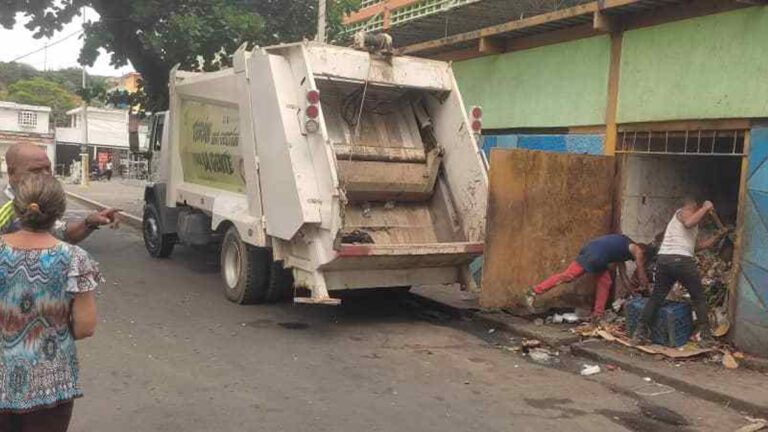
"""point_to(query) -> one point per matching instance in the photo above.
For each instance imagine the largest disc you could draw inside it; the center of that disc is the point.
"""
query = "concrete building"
(25, 124)
(107, 137)
(673, 90)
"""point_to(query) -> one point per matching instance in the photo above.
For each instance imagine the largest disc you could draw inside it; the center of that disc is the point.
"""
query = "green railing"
(424, 8)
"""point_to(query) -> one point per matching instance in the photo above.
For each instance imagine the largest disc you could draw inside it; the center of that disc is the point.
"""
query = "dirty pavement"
(172, 354)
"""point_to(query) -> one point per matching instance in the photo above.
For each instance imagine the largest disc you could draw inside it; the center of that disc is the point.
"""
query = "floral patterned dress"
(38, 363)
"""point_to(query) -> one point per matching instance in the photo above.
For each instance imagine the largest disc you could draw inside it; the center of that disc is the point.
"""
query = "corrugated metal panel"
(751, 321)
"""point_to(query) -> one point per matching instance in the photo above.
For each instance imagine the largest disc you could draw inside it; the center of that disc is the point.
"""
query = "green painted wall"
(710, 67)
(552, 86)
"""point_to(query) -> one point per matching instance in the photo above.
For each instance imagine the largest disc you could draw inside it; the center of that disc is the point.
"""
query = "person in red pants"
(595, 257)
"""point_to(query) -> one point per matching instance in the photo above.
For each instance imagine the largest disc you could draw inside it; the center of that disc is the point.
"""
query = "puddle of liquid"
(293, 325)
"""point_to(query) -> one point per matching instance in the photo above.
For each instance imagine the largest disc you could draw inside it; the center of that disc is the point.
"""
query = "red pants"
(570, 274)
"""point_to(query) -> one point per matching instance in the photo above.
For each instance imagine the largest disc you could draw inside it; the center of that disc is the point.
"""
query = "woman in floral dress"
(47, 302)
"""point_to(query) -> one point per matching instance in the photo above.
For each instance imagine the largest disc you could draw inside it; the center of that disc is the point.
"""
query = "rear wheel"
(158, 245)
(280, 283)
(244, 269)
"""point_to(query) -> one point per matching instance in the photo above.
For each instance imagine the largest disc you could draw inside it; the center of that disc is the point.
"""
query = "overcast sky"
(19, 41)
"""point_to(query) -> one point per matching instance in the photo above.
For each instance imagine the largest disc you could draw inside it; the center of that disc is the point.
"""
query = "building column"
(614, 71)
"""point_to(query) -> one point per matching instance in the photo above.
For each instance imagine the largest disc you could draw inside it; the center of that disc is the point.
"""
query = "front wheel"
(244, 269)
(158, 245)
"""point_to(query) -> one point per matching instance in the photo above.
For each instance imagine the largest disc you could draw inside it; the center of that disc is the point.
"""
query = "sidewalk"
(127, 195)
(742, 389)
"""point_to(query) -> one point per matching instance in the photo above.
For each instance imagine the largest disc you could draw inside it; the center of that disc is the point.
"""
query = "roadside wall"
(703, 68)
(550, 86)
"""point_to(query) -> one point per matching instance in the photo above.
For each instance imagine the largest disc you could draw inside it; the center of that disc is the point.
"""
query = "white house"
(108, 135)
(25, 124)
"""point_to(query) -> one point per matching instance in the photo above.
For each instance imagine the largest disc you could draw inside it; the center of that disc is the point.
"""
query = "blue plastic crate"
(673, 326)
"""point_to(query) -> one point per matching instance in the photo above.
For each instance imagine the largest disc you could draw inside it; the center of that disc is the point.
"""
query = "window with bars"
(684, 142)
(27, 119)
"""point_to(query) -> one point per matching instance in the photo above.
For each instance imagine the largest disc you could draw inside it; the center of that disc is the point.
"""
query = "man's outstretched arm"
(80, 230)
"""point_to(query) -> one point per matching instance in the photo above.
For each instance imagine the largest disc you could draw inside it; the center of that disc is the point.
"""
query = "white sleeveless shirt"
(679, 240)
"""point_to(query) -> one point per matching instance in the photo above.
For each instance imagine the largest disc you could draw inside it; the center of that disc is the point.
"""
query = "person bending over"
(596, 257)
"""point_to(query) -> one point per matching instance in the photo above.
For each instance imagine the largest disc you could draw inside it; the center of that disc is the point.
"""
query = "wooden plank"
(680, 12)
(542, 208)
(738, 248)
(523, 43)
(490, 45)
(457, 55)
(537, 20)
(552, 37)
(603, 22)
(587, 130)
(533, 21)
(614, 72)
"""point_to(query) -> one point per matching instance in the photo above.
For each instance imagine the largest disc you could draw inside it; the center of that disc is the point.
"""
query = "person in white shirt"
(108, 170)
(676, 262)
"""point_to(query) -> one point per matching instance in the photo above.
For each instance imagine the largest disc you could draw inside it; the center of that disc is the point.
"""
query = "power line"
(47, 46)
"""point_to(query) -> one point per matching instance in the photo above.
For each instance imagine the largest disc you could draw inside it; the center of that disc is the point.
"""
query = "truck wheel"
(158, 245)
(244, 269)
(280, 283)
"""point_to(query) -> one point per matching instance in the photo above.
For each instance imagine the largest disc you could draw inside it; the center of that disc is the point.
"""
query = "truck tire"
(158, 244)
(280, 283)
(244, 269)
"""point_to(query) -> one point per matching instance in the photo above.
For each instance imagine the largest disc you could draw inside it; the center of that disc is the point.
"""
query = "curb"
(127, 218)
(582, 350)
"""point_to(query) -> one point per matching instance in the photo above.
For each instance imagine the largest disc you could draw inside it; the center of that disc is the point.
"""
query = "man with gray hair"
(23, 159)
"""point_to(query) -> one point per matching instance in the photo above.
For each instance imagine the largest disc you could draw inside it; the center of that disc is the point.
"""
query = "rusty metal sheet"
(542, 207)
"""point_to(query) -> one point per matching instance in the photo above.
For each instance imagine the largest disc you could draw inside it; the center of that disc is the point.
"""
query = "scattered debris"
(729, 361)
(570, 318)
(390, 205)
(611, 367)
(366, 210)
(538, 322)
(653, 389)
(540, 355)
(587, 370)
(491, 331)
(647, 379)
(528, 344)
(616, 333)
(754, 425)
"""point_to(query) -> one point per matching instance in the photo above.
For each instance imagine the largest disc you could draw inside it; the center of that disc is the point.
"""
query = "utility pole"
(321, 21)
(84, 144)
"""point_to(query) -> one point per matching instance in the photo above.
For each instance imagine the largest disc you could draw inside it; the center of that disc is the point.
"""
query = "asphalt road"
(171, 354)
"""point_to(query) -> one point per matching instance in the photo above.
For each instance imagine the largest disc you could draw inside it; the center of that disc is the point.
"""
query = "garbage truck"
(314, 168)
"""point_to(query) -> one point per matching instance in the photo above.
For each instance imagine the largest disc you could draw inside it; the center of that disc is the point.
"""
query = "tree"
(11, 72)
(154, 35)
(39, 91)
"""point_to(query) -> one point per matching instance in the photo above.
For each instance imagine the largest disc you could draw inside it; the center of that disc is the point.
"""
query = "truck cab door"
(155, 142)
(542, 207)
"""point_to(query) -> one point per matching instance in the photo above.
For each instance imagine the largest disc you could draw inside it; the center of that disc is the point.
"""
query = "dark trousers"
(54, 419)
(671, 269)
